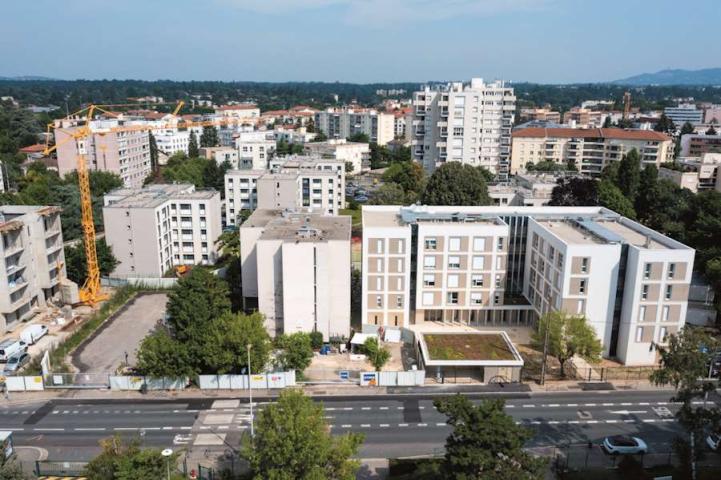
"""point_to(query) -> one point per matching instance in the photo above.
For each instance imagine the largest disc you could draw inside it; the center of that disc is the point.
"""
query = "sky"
(359, 41)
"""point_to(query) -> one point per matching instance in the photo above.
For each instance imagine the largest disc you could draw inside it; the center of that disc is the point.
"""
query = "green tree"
(607, 122)
(629, 174)
(296, 351)
(349, 167)
(664, 124)
(610, 196)
(711, 131)
(391, 194)
(229, 244)
(610, 172)
(359, 138)
(568, 335)
(209, 137)
(196, 300)
(485, 443)
(356, 292)
(293, 442)
(282, 148)
(377, 354)
(454, 183)
(76, 265)
(154, 155)
(410, 176)
(320, 136)
(125, 460)
(646, 190)
(10, 469)
(575, 192)
(222, 346)
(160, 355)
(193, 151)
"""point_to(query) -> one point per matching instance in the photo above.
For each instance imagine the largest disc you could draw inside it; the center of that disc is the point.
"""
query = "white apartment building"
(317, 184)
(158, 227)
(685, 112)
(170, 139)
(698, 174)
(590, 150)
(255, 149)
(295, 268)
(528, 190)
(221, 155)
(33, 261)
(241, 111)
(463, 123)
(346, 122)
(358, 154)
(506, 266)
(125, 153)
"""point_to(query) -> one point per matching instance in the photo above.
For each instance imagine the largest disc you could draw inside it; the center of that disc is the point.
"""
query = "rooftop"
(291, 225)
(469, 349)
(632, 236)
(153, 196)
(570, 232)
(615, 133)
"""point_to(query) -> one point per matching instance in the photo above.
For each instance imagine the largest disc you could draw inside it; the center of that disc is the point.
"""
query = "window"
(399, 283)
(497, 298)
(452, 298)
(379, 301)
(582, 286)
(664, 317)
(584, 265)
(477, 280)
(479, 244)
(429, 262)
(662, 334)
(379, 283)
(639, 334)
(454, 244)
(476, 298)
(647, 271)
(535, 240)
(642, 313)
(379, 246)
(551, 253)
(669, 291)
(399, 265)
(431, 244)
(499, 245)
(559, 260)
(671, 270)
(401, 245)
(399, 301)
(498, 281)
(644, 292)
(581, 305)
(427, 298)
(379, 265)
(499, 263)
(478, 263)
(454, 262)
(429, 280)
(452, 281)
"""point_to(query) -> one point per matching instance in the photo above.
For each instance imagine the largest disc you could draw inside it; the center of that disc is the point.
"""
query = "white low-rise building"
(295, 268)
(337, 123)
(221, 155)
(255, 149)
(697, 174)
(355, 153)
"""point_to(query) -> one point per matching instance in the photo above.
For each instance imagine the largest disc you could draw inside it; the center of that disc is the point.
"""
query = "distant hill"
(706, 76)
(26, 77)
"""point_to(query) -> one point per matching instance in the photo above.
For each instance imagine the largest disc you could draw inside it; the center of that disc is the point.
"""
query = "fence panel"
(387, 379)
(208, 382)
(240, 382)
(276, 380)
(259, 381)
(406, 379)
(369, 379)
(224, 381)
(290, 378)
(76, 380)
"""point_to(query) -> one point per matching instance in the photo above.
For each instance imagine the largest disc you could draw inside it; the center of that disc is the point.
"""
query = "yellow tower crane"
(77, 128)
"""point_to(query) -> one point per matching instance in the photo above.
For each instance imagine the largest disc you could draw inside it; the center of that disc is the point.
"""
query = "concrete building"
(221, 155)
(712, 114)
(170, 139)
(696, 145)
(358, 154)
(583, 118)
(346, 122)
(463, 123)
(126, 153)
(698, 174)
(684, 112)
(33, 261)
(293, 182)
(254, 149)
(527, 190)
(503, 267)
(295, 268)
(588, 149)
(158, 227)
(247, 111)
(540, 114)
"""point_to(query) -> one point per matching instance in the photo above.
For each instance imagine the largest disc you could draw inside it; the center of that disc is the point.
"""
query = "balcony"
(186, 224)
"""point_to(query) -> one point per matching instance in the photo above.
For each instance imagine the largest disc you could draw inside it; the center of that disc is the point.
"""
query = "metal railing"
(59, 468)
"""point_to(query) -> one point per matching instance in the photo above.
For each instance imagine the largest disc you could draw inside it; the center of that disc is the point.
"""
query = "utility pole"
(250, 396)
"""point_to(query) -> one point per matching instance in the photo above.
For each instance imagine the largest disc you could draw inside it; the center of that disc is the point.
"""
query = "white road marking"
(608, 404)
(348, 408)
(592, 421)
(441, 424)
(48, 429)
(89, 429)
(422, 424)
(573, 421)
(365, 408)
(345, 426)
(535, 422)
(129, 429)
(644, 403)
(186, 428)
(384, 425)
(330, 409)
(629, 420)
(382, 408)
(572, 405)
(365, 425)
(649, 420)
(590, 404)
(553, 422)
(510, 406)
(611, 421)
(402, 424)
(528, 406)
(553, 405)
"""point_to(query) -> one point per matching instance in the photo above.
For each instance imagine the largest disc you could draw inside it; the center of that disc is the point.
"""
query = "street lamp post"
(250, 396)
(167, 453)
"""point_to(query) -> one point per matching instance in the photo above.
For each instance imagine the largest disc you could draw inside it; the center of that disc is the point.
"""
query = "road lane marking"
(186, 428)
(592, 421)
(384, 425)
(402, 424)
(89, 429)
(589, 404)
(572, 405)
(649, 420)
(345, 426)
(365, 425)
(554, 405)
(422, 424)
(629, 420)
(365, 408)
(129, 429)
(573, 421)
(535, 422)
(48, 429)
(528, 406)
(607, 404)
(382, 408)
(348, 408)
(553, 422)
(611, 421)
(510, 406)
(627, 412)
(644, 403)
(441, 424)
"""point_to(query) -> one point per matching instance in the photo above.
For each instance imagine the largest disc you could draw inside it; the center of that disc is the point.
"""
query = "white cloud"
(379, 13)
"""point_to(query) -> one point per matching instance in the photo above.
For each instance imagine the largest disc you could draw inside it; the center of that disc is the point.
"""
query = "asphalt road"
(394, 425)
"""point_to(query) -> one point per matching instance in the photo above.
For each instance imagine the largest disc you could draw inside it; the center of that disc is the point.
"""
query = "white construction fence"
(240, 382)
(127, 382)
(411, 378)
(24, 384)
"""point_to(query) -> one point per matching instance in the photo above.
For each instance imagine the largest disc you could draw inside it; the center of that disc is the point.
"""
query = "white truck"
(33, 333)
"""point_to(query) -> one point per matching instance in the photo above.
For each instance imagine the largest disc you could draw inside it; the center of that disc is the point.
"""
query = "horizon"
(550, 42)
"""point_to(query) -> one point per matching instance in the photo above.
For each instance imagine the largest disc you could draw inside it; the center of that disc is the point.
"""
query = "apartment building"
(528, 190)
(125, 153)
(247, 111)
(685, 112)
(33, 261)
(698, 174)
(712, 114)
(590, 150)
(696, 145)
(295, 269)
(463, 123)
(171, 140)
(356, 153)
(158, 227)
(346, 122)
(505, 266)
(255, 149)
(221, 155)
(293, 182)
(583, 118)
(540, 114)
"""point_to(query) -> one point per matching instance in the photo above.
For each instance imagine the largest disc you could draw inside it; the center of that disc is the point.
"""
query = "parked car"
(624, 444)
(33, 333)
(16, 362)
(714, 441)
(360, 198)
(10, 347)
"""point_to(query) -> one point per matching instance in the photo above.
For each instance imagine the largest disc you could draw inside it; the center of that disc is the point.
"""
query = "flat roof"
(469, 349)
(377, 218)
(155, 195)
(570, 232)
(632, 236)
(296, 226)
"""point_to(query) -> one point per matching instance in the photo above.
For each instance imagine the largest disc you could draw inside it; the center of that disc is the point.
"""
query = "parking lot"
(105, 350)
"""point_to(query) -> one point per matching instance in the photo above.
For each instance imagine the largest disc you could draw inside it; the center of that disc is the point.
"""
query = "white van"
(10, 347)
(33, 333)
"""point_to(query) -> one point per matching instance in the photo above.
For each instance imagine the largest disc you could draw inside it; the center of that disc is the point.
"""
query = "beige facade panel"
(375, 246)
(397, 246)
(679, 292)
(577, 266)
(376, 283)
(376, 264)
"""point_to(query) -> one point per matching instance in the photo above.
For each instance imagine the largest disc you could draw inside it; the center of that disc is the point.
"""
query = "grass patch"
(355, 214)
(415, 469)
(467, 347)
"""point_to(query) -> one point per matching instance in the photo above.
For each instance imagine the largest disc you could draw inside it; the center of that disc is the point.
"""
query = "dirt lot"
(105, 350)
(326, 367)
